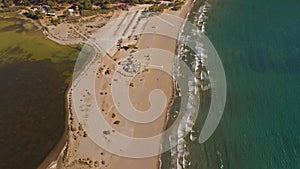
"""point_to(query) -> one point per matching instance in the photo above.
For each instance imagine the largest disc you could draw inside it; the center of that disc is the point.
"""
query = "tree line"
(81, 3)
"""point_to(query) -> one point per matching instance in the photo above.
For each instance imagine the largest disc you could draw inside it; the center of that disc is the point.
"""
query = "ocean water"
(259, 45)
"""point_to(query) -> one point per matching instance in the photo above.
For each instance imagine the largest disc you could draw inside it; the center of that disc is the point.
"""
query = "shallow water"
(258, 42)
(21, 40)
(32, 77)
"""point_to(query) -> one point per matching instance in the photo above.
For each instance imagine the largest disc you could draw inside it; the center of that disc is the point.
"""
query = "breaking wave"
(180, 154)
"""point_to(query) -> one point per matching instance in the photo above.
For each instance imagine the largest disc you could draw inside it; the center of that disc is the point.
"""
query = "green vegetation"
(177, 5)
(40, 8)
(156, 8)
(7, 3)
(176, 8)
(55, 21)
(33, 72)
(20, 40)
(66, 13)
(82, 4)
(10, 9)
(34, 15)
(87, 5)
(94, 12)
(85, 48)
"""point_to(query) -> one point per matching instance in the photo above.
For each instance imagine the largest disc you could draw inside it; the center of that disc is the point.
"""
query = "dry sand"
(81, 151)
(70, 33)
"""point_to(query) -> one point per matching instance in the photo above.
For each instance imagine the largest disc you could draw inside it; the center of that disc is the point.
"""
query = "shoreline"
(183, 13)
(188, 6)
(56, 151)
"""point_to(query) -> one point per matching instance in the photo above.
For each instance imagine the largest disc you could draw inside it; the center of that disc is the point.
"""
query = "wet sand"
(81, 150)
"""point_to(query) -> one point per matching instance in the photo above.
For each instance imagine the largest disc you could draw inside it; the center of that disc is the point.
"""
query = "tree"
(7, 3)
(18, 2)
(132, 1)
(38, 14)
(106, 4)
(66, 13)
(33, 15)
(80, 6)
(87, 5)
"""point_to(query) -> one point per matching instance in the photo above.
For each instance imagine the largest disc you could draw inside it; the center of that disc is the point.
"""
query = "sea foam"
(180, 151)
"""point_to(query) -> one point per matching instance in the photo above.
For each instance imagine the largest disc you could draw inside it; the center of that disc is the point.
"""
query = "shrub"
(155, 8)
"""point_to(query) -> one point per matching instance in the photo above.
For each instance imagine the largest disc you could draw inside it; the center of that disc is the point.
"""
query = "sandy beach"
(92, 95)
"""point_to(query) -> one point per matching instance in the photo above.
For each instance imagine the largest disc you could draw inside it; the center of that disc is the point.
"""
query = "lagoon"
(34, 75)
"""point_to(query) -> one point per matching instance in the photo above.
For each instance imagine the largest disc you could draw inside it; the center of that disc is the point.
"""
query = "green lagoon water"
(21, 40)
(259, 45)
(33, 74)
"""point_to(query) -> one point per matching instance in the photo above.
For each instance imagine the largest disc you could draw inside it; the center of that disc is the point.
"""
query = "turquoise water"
(259, 45)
